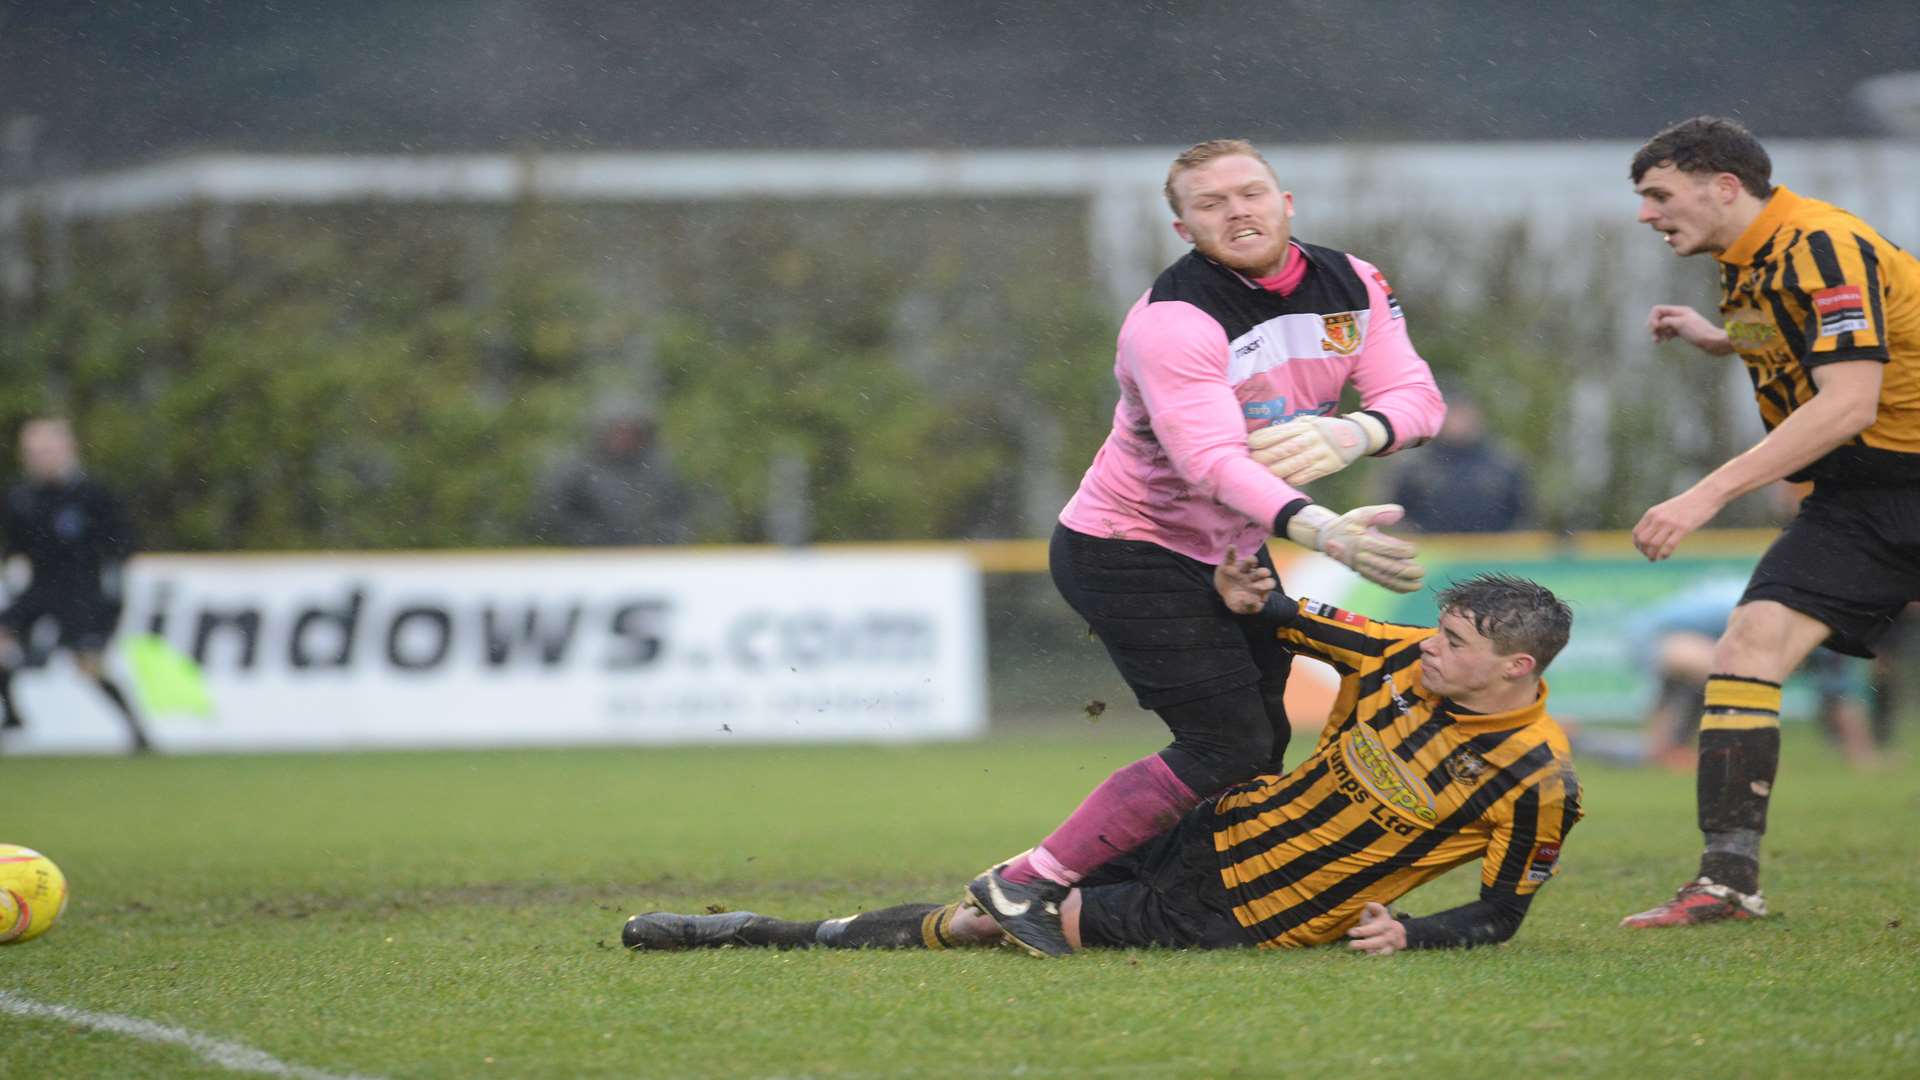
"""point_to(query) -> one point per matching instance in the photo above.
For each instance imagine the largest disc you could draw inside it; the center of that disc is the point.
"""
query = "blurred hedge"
(387, 378)
(308, 387)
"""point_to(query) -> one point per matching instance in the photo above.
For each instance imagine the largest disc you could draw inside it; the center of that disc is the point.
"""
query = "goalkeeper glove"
(1310, 447)
(1354, 538)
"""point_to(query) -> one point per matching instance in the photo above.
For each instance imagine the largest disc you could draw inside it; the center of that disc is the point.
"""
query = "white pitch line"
(228, 1055)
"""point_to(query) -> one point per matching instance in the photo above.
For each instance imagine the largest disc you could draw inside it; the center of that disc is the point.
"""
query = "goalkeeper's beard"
(1263, 262)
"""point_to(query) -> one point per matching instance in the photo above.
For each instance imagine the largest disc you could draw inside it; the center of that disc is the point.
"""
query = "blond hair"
(1202, 152)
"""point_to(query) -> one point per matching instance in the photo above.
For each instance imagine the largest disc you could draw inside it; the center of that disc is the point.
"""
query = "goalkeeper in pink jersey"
(1231, 369)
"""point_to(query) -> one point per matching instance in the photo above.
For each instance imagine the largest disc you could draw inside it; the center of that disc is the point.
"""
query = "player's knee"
(1209, 764)
(1240, 768)
(1220, 741)
(1765, 640)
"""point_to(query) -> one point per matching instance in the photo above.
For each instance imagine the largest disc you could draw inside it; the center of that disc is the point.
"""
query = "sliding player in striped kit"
(1438, 753)
(1230, 370)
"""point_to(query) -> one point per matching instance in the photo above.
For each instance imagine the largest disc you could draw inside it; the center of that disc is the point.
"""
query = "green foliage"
(1067, 339)
(394, 915)
(384, 377)
(319, 386)
(884, 458)
(936, 365)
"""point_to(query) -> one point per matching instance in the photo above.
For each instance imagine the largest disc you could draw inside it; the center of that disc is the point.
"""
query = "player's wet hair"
(1709, 144)
(1517, 615)
(1202, 152)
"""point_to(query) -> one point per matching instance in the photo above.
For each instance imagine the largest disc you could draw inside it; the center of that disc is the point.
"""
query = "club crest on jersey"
(1465, 765)
(1749, 331)
(1841, 310)
(1341, 333)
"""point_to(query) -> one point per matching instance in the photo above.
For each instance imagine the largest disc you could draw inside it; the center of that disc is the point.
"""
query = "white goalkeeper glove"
(1354, 538)
(1310, 447)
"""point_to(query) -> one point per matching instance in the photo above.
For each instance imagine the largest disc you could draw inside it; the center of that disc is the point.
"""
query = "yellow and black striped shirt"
(1808, 284)
(1402, 787)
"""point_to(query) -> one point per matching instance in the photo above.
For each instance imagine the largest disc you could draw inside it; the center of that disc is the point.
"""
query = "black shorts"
(86, 619)
(1850, 558)
(1165, 892)
(1158, 615)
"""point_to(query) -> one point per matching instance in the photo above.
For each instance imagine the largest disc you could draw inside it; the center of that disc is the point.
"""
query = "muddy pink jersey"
(1207, 356)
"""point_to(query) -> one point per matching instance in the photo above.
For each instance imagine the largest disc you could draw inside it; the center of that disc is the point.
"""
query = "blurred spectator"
(1674, 642)
(76, 539)
(621, 489)
(1463, 482)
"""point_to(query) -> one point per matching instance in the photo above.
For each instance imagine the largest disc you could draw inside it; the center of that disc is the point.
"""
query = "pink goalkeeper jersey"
(1207, 356)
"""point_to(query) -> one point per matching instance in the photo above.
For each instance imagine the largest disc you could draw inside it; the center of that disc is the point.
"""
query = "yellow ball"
(33, 893)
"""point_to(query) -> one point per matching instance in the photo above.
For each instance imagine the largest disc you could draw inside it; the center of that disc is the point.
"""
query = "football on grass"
(33, 893)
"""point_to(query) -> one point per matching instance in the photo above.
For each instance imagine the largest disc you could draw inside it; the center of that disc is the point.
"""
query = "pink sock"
(1134, 805)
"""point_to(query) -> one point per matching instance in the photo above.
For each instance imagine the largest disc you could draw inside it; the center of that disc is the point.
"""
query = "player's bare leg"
(1070, 918)
(1685, 661)
(1739, 756)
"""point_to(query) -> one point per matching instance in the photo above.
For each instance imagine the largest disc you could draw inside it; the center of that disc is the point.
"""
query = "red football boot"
(1699, 901)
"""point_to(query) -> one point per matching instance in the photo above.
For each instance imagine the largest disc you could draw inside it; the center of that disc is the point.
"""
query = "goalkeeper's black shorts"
(1850, 558)
(1165, 892)
(1158, 615)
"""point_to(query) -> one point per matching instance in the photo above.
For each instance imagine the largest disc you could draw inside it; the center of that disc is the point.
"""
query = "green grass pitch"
(458, 915)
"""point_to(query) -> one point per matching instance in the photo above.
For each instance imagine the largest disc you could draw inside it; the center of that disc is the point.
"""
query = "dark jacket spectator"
(622, 489)
(1462, 481)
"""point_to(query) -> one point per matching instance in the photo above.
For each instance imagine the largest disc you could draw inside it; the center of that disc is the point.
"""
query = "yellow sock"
(1737, 703)
(934, 928)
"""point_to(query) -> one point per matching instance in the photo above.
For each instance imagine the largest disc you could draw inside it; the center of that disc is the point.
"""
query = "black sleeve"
(1489, 920)
(1279, 610)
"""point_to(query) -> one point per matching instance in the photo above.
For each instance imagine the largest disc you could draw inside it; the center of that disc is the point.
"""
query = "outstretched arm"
(1845, 404)
(1355, 540)
(1487, 921)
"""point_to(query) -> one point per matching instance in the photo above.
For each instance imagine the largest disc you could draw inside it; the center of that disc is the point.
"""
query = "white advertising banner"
(415, 650)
